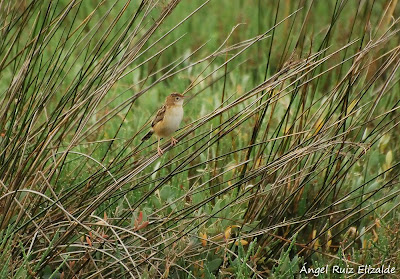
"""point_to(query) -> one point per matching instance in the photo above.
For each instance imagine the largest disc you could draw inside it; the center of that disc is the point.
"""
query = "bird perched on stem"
(167, 120)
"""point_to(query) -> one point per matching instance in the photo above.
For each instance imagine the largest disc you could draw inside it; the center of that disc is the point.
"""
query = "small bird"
(167, 120)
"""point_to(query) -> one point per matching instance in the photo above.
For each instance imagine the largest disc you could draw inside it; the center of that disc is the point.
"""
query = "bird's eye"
(177, 98)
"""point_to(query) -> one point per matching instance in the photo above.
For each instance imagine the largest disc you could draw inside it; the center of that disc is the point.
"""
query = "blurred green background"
(288, 150)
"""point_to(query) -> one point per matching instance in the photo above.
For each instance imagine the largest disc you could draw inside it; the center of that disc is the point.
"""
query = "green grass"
(287, 155)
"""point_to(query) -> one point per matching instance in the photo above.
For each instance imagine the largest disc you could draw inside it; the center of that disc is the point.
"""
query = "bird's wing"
(159, 116)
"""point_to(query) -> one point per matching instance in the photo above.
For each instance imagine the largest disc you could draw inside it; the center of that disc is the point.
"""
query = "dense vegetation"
(288, 153)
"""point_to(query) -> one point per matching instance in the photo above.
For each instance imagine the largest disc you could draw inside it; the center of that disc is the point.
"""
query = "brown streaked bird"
(167, 120)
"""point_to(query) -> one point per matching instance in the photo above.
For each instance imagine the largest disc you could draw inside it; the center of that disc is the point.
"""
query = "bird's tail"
(147, 136)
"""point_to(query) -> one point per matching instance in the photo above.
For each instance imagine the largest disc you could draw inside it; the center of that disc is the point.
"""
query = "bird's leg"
(159, 150)
(173, 141)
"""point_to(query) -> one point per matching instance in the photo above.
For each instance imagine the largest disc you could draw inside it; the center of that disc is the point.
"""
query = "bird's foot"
(173, 141)
(160, 151)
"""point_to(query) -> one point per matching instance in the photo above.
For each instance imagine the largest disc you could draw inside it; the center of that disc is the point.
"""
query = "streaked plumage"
(167, 119)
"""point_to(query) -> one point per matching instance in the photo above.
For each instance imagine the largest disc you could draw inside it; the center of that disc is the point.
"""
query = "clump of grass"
(289, 131)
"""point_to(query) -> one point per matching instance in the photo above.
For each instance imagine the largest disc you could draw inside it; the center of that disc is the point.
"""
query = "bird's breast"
(172, 119)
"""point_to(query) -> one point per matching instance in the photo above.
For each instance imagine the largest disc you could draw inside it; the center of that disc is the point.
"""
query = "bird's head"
(175, 99)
